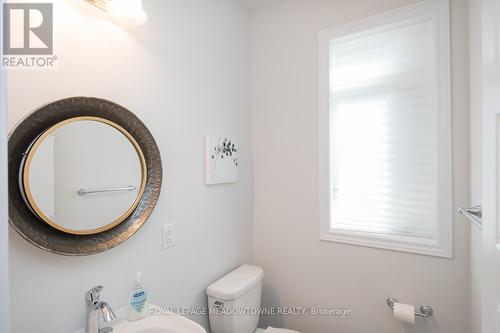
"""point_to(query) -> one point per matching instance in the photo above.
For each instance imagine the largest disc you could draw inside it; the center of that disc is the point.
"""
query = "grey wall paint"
(185, 73)
(301, 270)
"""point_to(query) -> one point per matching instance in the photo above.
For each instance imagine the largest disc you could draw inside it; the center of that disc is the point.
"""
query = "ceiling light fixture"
(127, 11)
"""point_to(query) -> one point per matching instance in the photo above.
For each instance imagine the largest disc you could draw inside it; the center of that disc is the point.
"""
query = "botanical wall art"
(221, 160)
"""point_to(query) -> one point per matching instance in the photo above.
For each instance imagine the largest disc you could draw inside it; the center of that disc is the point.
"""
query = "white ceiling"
(256, 3)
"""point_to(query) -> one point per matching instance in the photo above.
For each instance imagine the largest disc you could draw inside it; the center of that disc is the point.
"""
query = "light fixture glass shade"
(128, 11)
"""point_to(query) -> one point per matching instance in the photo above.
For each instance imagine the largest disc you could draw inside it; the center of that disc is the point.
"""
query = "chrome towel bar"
(425, 310)
(83, 192)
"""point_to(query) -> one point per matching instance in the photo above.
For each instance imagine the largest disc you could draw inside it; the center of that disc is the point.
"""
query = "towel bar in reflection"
(82, 192)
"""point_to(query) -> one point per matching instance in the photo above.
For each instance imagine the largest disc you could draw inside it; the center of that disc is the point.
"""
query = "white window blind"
(385, 131)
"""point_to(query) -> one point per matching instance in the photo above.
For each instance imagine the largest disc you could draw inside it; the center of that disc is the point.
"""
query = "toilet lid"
(279, 330)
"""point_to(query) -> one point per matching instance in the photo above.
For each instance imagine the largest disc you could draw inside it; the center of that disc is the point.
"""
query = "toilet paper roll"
(404, 312)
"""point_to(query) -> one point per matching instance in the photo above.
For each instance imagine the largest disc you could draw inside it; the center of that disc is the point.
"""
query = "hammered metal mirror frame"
(30, 129)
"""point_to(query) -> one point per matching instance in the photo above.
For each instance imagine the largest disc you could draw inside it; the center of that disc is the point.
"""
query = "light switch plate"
(168, 232)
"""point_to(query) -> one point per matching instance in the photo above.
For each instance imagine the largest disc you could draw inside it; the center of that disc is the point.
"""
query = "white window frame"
(438, 11)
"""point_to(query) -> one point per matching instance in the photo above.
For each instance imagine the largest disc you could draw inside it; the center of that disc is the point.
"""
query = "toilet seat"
(275, 330)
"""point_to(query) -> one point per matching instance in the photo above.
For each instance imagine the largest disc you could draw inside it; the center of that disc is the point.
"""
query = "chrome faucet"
(94, 308)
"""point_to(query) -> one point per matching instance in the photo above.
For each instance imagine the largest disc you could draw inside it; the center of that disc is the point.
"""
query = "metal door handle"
(474, 214)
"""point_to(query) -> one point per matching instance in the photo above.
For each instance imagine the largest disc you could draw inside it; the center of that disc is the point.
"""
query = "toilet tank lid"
(236, 283)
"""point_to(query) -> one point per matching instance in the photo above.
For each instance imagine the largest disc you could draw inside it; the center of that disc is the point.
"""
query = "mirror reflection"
(84, 175)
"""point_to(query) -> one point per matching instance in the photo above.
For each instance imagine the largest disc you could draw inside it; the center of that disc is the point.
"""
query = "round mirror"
(84, 175)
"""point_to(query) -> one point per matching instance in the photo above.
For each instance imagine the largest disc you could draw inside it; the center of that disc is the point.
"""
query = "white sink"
(164, 323)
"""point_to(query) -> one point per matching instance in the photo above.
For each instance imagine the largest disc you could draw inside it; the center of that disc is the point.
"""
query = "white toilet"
(234, 302)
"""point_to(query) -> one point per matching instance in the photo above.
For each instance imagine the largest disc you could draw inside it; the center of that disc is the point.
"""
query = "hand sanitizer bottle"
(138, 301)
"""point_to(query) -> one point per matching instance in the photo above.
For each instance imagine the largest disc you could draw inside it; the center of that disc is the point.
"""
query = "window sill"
(429, 247)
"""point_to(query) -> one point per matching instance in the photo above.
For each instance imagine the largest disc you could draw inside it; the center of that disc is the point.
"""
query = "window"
(385, 131)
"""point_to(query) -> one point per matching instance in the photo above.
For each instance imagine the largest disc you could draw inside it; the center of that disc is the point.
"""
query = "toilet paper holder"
(425, 310)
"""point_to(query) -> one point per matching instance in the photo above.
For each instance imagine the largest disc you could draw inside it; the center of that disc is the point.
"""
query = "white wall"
(4, 225)
(185, 73)
(301, 270)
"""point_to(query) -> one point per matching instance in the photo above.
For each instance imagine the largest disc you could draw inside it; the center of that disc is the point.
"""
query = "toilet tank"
(234, 301)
